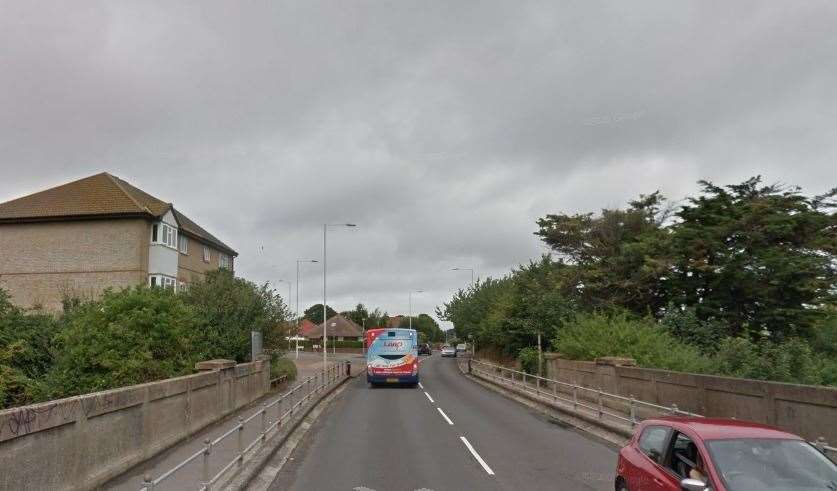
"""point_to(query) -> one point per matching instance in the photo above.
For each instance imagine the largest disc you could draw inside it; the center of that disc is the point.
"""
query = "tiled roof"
(306, 327)
(341, 327)
(100, 195)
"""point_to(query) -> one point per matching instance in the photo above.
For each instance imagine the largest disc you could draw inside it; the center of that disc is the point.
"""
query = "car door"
(653, 443)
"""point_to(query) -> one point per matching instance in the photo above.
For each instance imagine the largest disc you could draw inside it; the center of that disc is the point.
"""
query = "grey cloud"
(444, 129)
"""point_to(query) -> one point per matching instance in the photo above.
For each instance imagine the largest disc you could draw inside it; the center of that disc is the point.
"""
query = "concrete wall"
(39, 262)
(82, 442)
(808, 411)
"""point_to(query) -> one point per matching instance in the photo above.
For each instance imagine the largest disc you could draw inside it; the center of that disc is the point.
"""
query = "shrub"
(528, 358)
(280, 365)
(591, 336)
(685, 325)
(229, 308)
(133, 336)
(788, 361)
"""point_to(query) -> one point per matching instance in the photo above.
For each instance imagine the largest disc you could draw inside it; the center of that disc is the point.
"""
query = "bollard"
(633, 411)
(469, 365)
(601, 409)
(147, 483)
(349, 368)
(240, 438)
(207, 450)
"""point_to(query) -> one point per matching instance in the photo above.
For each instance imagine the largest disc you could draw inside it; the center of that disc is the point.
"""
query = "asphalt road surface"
(449, 434)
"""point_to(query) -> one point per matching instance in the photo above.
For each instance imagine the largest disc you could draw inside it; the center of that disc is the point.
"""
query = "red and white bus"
(392, 357)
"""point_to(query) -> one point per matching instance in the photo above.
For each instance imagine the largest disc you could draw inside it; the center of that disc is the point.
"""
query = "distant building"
(84, 236)
(306, 328)
(339, 329)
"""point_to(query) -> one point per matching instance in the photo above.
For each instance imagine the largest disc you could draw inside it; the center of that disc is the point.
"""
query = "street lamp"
(325, 313)
(298, 261)
(466, 269)
(411, 305)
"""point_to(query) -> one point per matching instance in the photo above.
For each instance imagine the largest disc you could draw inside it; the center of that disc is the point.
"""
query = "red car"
(677, 453)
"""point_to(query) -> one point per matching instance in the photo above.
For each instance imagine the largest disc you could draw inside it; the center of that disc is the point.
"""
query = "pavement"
(308, 364)
(449, 434)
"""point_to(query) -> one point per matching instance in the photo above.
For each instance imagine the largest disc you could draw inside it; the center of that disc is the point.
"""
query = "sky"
(442, 129)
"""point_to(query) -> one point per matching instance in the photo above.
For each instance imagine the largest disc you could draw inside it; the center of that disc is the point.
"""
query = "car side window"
(653, 442)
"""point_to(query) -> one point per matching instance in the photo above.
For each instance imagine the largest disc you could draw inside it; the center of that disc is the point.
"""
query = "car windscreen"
(770, 464)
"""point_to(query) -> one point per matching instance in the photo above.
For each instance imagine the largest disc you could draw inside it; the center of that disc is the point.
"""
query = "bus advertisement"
(392, 357)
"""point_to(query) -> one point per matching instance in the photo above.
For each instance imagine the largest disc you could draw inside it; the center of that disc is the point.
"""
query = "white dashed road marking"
(477, 456)
(445, 416)
(428, 396)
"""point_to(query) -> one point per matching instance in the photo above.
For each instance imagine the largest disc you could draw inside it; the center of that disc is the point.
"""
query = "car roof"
(723, 428)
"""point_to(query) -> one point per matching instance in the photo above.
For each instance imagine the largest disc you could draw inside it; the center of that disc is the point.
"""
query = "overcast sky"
(443, 129)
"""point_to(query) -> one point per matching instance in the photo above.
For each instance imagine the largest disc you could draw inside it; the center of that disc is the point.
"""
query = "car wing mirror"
(689, 484)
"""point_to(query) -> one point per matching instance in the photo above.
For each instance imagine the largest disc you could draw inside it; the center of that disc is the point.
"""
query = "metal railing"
(596, 401)
(292, 401)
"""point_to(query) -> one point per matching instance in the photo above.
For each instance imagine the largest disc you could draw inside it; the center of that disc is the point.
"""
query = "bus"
(392, 357)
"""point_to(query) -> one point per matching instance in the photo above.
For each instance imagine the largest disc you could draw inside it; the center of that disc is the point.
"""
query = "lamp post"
(325, 268)
(298, 261)
(466, 269)
(411, 305)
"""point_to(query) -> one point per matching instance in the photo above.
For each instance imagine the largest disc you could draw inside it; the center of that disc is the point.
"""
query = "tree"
(757, 257)
(425, 325)
(617, 258)
(230, 308)
(314, 313)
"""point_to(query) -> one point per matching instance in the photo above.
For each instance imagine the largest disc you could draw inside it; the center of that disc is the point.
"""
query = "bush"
(229, 308)
(25, 356)
(280, 365)
(129, 337)
(591, 336)
(684, 325)
(528, 358)
(789, 361)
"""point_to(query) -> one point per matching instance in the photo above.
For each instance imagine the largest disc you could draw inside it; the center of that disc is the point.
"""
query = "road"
(450, 434)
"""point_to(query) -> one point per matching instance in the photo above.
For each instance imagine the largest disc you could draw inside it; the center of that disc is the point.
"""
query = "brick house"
(84, 236)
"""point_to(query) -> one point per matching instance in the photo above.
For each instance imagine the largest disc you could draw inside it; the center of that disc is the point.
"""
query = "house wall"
(191, 266)
(83, 442)
(40, 262)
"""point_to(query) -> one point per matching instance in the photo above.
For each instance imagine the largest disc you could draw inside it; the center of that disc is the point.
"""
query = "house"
(339, 329)
(306, 328)
(79, 238)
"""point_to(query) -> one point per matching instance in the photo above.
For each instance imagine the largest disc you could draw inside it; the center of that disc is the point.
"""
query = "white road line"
(431, 399)
(476, 455)
(421, 386)
(445, 416)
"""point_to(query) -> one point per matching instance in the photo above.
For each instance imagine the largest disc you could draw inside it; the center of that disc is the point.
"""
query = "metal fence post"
(575, 397)
(207, 449)
(147, 483)
(555, 389)
(820, 444)
(633, 411)
(264, 422)
(240, 437)
(538, 384)
(601, 409)
(524, 381)
(349, 368)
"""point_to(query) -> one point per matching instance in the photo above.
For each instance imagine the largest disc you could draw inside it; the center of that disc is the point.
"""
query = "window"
(684, 455)
(653, 442)
(162, 233)
(162, 280)
(206, 255)
(223, 260)
(184, 244)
